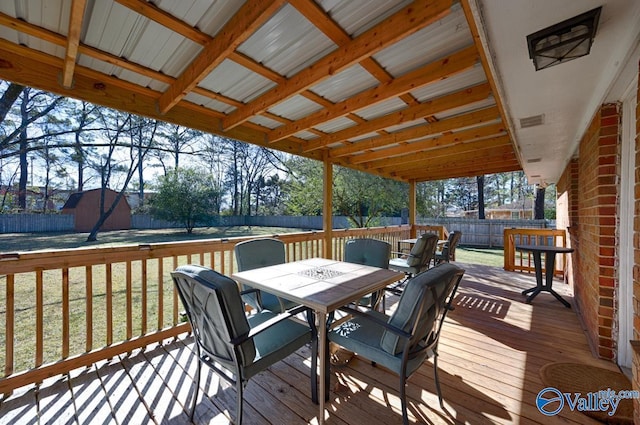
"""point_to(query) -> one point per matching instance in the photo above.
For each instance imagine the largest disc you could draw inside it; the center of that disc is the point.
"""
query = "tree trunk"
(480, 182)
(538, 210)
(24, 164)
(9, 97)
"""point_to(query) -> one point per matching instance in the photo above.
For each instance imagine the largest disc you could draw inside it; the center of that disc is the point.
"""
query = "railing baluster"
(143, 298)
(39, 317)
(89, 307)
(175, 294)
(9, 324)
(109, 301)
(160, 293)
(65, 312)
(128, 301)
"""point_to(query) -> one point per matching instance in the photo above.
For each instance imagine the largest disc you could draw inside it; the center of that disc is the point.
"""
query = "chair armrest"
(377, 321)
(400, 253)
(248, 291)
(267, 324)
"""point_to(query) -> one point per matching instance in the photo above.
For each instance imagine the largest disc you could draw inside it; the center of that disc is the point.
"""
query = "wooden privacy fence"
(515, 260)
(65, 309)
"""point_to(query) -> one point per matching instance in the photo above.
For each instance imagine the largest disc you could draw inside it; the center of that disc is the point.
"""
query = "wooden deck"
(491, 349)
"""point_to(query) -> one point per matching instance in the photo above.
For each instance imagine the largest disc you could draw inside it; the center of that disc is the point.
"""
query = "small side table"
(549, 265)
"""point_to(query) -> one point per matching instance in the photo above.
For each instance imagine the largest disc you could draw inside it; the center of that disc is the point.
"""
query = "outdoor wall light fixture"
(563, 41)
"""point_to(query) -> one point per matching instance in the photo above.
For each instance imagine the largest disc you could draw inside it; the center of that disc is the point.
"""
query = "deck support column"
(412, 207)
(327, 208)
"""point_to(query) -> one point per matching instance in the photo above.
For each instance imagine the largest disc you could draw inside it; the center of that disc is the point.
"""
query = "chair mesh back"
(215, 311)
(369, 252)
(452, 242)
(259, 253)
(422, 307)
(429, 250)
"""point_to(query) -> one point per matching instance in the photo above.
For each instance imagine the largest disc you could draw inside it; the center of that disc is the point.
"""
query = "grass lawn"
(486, 256)
(16, 242)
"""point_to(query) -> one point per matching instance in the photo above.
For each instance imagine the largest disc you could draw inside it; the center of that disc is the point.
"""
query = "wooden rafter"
(153, 12)
(401, 24)
(438, 70)
(450, 124)
(492, 146)
(240, 27)
(446, 171)
(487, 69)
(438, 142)
(36, 69)
(312, 11)
(73, 41)
(443, 103)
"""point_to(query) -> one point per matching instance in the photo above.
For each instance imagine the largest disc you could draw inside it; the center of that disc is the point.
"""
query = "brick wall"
(567, 214)
(588, 190)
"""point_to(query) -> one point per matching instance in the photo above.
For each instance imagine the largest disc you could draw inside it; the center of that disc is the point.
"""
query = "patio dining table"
(324, 286)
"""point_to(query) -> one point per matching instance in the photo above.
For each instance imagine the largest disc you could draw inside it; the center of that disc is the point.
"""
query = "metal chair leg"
(197, 384)
(239, 390)
(403, 398)
(437, 378)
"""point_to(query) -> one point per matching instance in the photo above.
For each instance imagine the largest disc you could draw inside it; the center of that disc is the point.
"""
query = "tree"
(538, 208)
(33, 106)
(303, 187)
(480, 183)
(177, 140)
(117, 127)
(186, 196)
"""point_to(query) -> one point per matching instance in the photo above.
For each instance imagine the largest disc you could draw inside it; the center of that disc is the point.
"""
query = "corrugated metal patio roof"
(394, 88)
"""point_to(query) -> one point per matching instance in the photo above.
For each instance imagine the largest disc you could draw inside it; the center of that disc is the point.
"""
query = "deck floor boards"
(491, 349)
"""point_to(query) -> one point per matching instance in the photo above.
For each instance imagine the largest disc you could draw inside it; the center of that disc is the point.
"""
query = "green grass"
(486, 256)
(17, 242)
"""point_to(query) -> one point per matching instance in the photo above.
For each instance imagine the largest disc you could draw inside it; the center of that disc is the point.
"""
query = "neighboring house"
(86, 208)
(522, 210)
(35, 197)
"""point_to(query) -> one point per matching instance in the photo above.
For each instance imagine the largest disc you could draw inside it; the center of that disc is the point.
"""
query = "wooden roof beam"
(497, 145)
(154, 13)
(412, 113)
(39, 70)
(489, 72)
(407, 21)
(60, 40)
(73, 40)
(436, 142)
(472, 170)
(314, 13)
(479, 117)
(435, 71)
(477, 166)
(240, 27)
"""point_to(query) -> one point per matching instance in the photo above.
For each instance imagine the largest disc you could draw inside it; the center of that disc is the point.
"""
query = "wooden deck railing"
(65, 309)
(515, 260)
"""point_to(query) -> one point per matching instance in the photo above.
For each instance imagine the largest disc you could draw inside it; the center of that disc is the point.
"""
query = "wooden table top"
(321, 284)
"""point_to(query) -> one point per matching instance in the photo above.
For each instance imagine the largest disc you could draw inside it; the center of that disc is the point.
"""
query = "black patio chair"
(447, 251)
(262, 253)
(369, 252)
(237, 346)
(403, 341)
